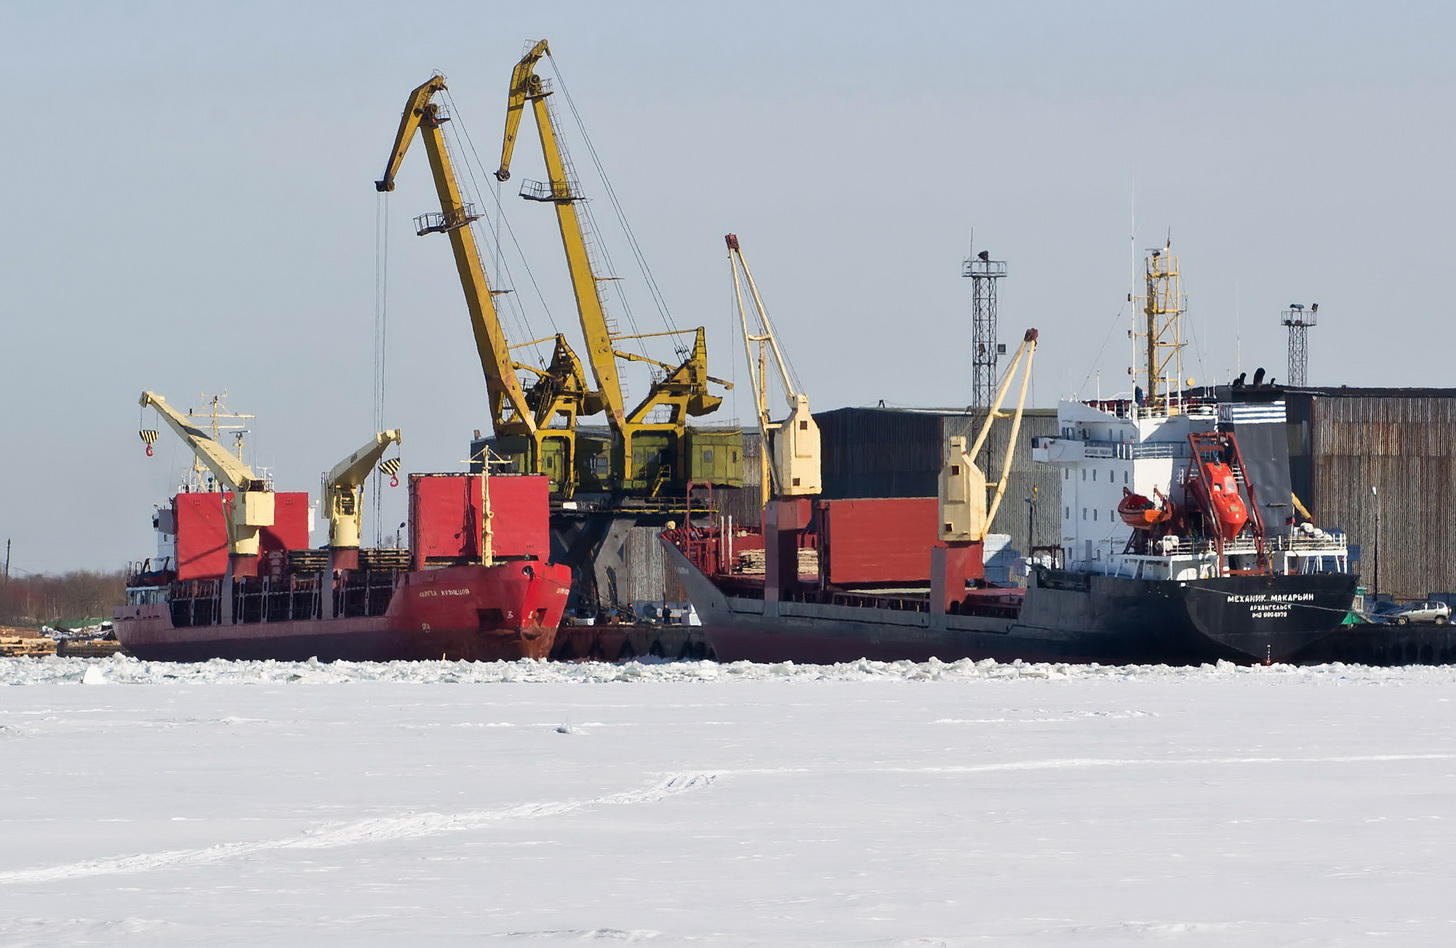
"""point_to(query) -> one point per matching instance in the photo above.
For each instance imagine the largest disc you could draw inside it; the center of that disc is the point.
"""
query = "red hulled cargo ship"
(475, 582)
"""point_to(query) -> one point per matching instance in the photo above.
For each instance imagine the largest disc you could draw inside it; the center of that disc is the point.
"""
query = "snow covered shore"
(874, 804)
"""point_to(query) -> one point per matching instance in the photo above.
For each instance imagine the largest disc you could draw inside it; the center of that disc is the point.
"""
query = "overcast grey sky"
(187, 206)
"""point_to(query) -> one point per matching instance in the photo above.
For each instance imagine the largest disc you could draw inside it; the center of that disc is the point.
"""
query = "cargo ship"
(1181, 542)
(435, 600)
(234, 577)
(1184, 589)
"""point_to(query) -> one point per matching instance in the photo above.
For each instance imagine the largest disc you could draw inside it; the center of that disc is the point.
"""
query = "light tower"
(984, 273)
(1298, 319)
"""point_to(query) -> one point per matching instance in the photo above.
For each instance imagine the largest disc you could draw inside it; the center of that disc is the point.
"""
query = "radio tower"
(1298, 319)
(984, 272)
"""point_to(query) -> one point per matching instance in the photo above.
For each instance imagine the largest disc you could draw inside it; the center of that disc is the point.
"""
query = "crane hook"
(390, 466)
(149, 438)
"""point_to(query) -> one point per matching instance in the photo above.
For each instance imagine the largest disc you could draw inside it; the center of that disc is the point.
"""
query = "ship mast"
(1161, 335)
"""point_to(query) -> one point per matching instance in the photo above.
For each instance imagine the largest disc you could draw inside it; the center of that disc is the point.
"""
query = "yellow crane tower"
(790, 463)
(683, 389)
(343, 489)
(251, 508)
(538, 424)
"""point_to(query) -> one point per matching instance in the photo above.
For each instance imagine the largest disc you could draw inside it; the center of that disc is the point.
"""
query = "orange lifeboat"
(1140, 513)
(1223, 495)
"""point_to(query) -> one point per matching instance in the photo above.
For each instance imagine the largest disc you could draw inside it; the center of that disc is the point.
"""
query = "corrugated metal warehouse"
(1402, 443)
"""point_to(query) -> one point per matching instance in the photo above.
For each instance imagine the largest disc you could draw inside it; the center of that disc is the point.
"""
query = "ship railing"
(860, 600)
(1160, 449)
(1129, 451)
(1328, 540)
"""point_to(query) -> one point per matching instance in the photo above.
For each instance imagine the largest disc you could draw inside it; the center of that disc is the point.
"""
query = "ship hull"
(473, 613)
(1065, 617)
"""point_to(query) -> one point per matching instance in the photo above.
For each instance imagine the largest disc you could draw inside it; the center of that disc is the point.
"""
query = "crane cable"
(652, 286)
(591, 235)
(501, 218)
(381, 327)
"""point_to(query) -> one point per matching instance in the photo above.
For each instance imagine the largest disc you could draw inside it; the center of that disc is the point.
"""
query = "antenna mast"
(1162, 334)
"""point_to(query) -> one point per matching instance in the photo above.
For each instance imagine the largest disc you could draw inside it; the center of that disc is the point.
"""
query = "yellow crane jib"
(790, 461)
(343, 487)
(525, 87)
(965, 514)
(252, 505)
(516, 416)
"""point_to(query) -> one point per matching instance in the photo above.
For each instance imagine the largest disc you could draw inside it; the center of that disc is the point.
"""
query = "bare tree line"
(45, 599)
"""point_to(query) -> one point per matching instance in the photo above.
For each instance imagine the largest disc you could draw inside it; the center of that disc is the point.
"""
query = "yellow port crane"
(683, 388)
(343, 487)
(536, 423)
(789, 458)
(251, 508)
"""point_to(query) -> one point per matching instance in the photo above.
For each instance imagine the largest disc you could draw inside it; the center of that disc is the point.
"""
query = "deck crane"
(683, 388)
(343, 487)
(793, 443)
(538, 422)
(966, 514)
(251, 506)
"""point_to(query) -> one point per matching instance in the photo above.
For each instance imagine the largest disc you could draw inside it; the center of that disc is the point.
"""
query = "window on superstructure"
(1084, 473)
(1094, 514)
(1084, 513)
(1124, 477)
(1094, 473)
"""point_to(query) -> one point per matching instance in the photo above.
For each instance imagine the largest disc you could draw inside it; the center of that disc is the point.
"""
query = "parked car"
(1428, 611)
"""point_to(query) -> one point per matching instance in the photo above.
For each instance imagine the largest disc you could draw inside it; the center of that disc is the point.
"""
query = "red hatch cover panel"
(446, 510)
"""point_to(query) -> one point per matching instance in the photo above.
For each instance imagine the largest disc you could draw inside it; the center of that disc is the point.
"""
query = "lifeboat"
(1229, 509)
(1140, 513)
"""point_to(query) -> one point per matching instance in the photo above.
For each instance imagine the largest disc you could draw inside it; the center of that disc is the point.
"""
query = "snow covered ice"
(869, 804)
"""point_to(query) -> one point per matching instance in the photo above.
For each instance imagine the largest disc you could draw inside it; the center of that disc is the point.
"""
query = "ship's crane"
(343, 487)
(251, 508)
(541, 419)
(965, 514)
(683, 390)
(789, 458)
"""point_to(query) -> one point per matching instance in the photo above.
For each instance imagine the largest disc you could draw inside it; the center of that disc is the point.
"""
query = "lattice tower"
(1298, 319)
(984, 273)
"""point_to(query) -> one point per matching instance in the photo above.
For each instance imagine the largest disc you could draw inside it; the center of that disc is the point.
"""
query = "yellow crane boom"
(252, 505)
(683, 390)
(965, 514)
(561, 191)
(423, 116)
(545, 416)
(790, 457)
(345, 483)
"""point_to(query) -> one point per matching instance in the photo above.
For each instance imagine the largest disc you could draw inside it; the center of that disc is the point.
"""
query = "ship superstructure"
(1122, 463)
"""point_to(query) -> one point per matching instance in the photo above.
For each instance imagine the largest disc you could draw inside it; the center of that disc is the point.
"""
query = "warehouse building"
(1381, 464)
